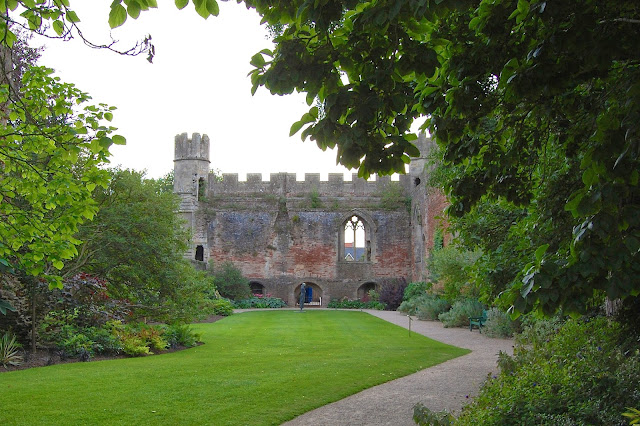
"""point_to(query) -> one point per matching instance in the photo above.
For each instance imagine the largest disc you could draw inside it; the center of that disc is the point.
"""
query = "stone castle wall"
(282, 232)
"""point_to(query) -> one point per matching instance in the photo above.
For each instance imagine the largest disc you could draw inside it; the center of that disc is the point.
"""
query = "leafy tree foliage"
(51, 147)
(135, 243)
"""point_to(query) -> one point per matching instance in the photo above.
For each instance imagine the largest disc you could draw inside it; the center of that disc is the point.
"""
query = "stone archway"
(313, 294)
(364, 289)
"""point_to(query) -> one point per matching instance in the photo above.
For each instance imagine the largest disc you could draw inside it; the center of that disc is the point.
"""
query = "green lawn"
(254, 368)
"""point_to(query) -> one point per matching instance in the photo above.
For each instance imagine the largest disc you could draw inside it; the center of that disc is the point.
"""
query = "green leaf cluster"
(51, 148)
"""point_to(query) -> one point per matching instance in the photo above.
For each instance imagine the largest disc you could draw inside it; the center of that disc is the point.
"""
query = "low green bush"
(423, 416)
(259, 302)
(458, 315)
(431, 307)
(229, 281)
(355, 304)
(181, 335)
(426, 307)
(415, 290)
(222, 307)
(572, 374)
(408, 306)
(499, 324)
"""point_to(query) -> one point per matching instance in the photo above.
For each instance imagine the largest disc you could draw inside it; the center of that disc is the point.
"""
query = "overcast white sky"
(197, 83)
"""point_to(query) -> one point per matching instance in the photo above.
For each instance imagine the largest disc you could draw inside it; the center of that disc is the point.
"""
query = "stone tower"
(190, 182)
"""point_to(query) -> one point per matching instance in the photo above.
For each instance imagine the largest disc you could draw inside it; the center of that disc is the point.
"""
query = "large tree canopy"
(533, 103)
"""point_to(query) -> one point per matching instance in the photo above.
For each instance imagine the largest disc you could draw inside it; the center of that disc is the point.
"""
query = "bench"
(478, 321)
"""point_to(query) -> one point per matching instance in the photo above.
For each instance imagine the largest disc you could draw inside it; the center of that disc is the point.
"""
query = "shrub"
(259, 302)
(499, 324)
(134, 345)
(425, 417)
(431, 307)
(221, 307)
(574, 374)
(414, 290)
(152, 335)
(355, 304)
(77, 345)
(458, 315)
(450, 267)
(391, 293)
(181, 335)
(9, 350)
(408, 307)
(229, 281)
(426, 307)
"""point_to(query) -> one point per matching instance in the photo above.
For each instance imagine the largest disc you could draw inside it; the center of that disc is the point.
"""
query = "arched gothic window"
(357, 247)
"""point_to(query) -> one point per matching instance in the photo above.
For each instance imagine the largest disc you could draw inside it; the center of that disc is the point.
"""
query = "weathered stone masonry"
(283, 232)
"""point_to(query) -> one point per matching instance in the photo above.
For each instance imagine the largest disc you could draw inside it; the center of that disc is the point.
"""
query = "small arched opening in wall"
(364, 289)
(256, 288)
(200, 253)
(313, 294)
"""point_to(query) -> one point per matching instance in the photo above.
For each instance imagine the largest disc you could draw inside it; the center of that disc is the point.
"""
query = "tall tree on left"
(52, 143)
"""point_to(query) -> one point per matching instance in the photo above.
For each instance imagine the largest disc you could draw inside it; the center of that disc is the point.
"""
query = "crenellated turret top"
(196, 148)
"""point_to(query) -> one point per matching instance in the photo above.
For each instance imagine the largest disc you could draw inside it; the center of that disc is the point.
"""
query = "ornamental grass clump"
(9, 350)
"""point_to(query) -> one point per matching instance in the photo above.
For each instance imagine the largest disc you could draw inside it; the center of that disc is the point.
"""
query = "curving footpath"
(445, 386)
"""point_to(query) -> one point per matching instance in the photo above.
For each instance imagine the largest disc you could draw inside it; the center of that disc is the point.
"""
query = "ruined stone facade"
(340, 238)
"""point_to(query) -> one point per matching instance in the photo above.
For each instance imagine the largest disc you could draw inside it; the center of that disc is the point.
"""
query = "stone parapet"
(287, 184)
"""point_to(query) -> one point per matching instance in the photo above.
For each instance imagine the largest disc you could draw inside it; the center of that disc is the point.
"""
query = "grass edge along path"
(254, 368)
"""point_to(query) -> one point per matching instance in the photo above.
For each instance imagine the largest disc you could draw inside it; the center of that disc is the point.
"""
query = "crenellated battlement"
(287, 184)
(196, 148)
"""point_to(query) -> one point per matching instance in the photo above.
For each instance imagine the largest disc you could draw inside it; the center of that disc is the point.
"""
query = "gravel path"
(445, 386)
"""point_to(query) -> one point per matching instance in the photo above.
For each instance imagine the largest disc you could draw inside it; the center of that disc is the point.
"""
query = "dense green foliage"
(499, 324)
(135, 243)
(425, 306)
(63, 331)
(460, 312)
(355, 304)
(415, 289)
(561, 374)
(259, 301)
(451, 268)
(430, 307)
(221, 306)
(423, 416)
(50, 158)
(229, 281)
(263, 354)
